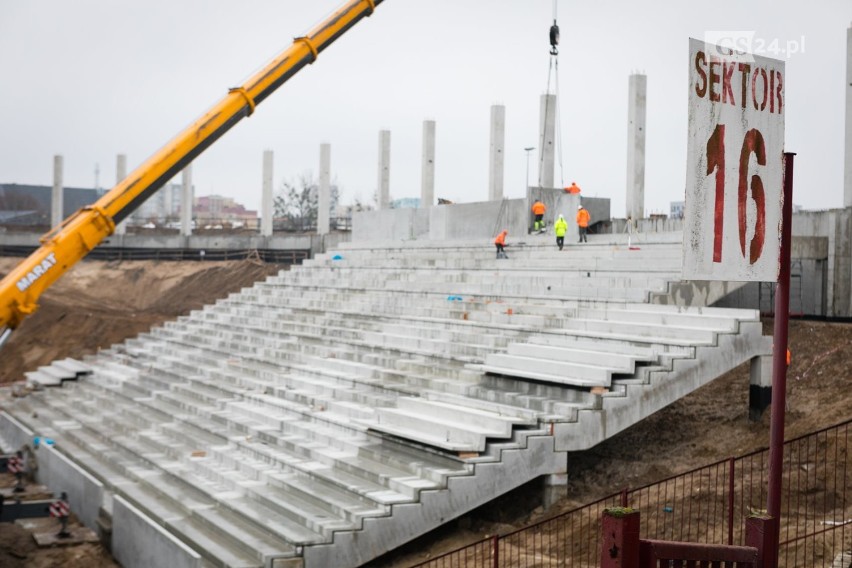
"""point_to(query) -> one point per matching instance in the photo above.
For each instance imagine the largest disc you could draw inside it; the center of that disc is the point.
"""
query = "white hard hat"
(579, 207)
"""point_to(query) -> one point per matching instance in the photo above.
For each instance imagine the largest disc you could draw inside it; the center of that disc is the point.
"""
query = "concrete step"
(325, 443)
(615, 362)
(462, 433)
(72, 366)
(41, 379)
(165, 496)
(571, 373)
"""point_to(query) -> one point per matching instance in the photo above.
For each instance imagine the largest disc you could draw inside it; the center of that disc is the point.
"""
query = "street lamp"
(528, 150)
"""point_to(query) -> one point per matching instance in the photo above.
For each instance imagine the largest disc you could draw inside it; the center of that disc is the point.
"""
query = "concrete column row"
(547, 151)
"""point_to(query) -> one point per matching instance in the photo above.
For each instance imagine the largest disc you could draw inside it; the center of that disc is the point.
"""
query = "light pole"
(528, 150)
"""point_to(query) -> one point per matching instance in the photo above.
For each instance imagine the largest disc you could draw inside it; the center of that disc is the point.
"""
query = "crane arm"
(69, 242)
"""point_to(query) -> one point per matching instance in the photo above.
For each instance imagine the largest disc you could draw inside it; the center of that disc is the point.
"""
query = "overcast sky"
(90, 79)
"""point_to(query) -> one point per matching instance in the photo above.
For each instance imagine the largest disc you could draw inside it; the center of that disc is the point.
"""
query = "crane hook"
(554, 39)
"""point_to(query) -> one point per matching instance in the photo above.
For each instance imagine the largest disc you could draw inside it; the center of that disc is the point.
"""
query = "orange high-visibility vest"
(572, 189)
(501, 238)
(583, 218)
(538, 208)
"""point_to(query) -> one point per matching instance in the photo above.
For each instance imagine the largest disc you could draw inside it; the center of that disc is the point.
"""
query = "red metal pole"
(495, 551)
(731, 473)
(779, 355)
(619, 540)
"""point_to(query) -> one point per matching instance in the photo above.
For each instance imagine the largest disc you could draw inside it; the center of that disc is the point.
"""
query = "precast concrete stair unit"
(344, 407)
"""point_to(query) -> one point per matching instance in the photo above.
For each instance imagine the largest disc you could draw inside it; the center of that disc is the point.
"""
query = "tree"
(297, 203)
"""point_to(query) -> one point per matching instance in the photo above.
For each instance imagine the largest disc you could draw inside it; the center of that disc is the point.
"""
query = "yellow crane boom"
(69, 242)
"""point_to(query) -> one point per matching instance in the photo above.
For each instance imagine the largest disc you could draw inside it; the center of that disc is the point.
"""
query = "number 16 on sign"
(734, 181)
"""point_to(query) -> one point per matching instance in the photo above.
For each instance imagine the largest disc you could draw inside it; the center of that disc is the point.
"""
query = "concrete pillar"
(186, 203)
(324, 199)
(847, 192)
(56, 202)
(427, 176)
(120, 174)
(843, 259)
(759, 386)
(384, 169)
(636, 146)
(496, 153)
(267, 209)
(547, 140)
(831, 271)
(166, 200)
(555, 489)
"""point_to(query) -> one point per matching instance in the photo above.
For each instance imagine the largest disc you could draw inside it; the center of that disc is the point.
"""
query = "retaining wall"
(58, 473)
(138, 542)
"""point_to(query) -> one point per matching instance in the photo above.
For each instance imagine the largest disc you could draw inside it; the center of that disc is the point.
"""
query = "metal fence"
(274, 256)
(708, 504)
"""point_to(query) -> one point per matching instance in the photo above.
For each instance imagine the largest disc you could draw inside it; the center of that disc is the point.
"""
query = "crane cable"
(553, 69)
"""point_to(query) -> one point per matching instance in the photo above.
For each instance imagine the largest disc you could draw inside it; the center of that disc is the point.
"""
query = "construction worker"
(560, 227)
(583, 219)
(573, 189)
(538, 210)
(500, 242)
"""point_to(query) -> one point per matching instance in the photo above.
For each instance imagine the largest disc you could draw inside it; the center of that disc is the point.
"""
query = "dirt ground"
(98, 304)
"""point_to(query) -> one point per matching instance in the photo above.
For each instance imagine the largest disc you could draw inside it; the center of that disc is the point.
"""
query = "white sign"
(734, 168)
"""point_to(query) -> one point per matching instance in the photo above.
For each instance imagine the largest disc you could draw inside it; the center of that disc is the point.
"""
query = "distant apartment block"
(22, 204)
(215, 210)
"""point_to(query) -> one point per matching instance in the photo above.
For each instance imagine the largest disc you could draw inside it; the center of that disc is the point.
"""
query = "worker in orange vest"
(573, 189)
(500, 242)
(583, 219)
(538, 210)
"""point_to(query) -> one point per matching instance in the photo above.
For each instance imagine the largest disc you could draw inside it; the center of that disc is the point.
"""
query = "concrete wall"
(835, 225)
(557, 202)
(478, 220)
(467, 221)
(462, 221)
(821, 265)
(138, 542)
(314, 243)
(58, 473)
(807, 294)
(13, 434)
(619, 226)
(392, 224)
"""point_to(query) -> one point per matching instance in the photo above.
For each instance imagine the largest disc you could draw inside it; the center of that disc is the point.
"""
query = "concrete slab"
(46, 532)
